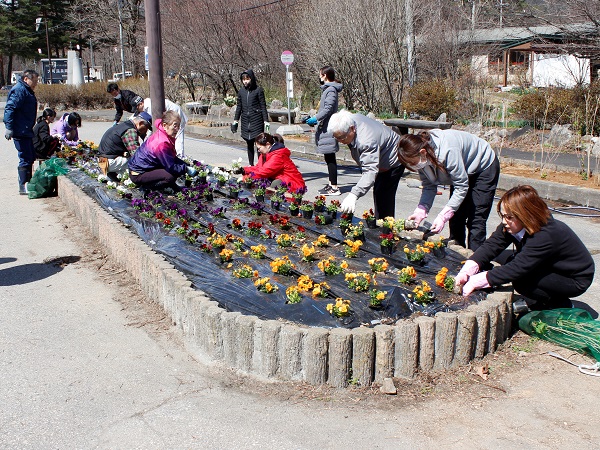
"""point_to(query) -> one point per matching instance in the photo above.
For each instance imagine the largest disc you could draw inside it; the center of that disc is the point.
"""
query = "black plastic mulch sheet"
(208, 274)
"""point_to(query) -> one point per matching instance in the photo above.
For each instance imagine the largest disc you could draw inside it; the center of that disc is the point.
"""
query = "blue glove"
(312, 121)
(192, 172)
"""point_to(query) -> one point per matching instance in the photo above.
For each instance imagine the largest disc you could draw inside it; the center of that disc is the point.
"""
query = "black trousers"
(384, 192)
(155, 179)
(331, 162)
(250, 144)
(551, 290)
(475, 209)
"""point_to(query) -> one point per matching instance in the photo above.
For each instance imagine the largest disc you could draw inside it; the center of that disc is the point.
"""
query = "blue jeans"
(25, 150)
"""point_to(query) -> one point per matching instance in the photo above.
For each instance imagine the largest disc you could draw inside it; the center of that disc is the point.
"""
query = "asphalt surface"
(77, 373)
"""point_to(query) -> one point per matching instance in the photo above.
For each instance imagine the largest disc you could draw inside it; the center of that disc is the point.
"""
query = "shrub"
(546, 107)
(87, 95)
(430, 99)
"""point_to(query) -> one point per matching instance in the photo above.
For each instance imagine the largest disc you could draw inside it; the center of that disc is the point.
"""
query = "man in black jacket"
(124, 101)
(121, 141)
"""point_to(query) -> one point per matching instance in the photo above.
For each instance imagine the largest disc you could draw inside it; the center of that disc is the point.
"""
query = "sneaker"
(329, 190)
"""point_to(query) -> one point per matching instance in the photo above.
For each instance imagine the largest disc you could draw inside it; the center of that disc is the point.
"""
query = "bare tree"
(99, 19)
(363, 40)
(213, 41)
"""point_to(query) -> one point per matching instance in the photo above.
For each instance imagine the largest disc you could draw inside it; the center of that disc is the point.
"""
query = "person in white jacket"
(374, 148)
(171, 106)
(465, 162)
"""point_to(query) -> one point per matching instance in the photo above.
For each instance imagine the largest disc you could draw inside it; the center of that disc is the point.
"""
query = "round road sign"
(287, 58)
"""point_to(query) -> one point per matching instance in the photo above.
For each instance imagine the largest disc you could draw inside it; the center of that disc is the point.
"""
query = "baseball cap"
(147, 117)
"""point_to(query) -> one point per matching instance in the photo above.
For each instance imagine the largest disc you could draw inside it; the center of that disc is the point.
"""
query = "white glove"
(349, 204)
(114, 123)
(469, 269)
(441, 219)
(419, 215)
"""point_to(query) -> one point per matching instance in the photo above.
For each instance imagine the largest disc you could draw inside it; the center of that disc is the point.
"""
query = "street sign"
(287, 57)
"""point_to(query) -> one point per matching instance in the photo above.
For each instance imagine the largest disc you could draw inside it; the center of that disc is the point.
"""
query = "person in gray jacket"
(465, 162)
(374, 148)
(326, 143)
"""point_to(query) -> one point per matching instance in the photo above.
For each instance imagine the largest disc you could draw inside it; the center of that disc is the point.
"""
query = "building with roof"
(542, 56)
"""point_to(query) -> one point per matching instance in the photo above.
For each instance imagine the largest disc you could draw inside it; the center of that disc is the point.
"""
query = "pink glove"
(469, 269)
(419, 215)
(477, 281)
(441, 219)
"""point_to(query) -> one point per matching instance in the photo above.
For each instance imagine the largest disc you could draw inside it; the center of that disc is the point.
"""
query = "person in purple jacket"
(549, 265)
(66, 129)
(155, 164)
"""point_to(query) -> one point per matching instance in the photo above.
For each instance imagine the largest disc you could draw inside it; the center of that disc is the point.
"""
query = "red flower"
(167, 222)
(301, 229)
(159, 215)
(184, 224)
(211, 228)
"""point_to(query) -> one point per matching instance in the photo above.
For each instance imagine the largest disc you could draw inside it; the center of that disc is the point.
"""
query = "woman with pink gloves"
(465, 162)
(549, 265)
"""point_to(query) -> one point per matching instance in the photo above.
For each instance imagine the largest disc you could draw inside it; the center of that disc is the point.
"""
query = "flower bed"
(210, 241)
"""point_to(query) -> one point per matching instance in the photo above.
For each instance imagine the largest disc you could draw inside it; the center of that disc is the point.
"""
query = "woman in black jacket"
(251, 110)
(44, 144)
(550, 263)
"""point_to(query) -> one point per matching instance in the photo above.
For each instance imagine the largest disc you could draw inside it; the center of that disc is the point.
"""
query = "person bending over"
(43, 142)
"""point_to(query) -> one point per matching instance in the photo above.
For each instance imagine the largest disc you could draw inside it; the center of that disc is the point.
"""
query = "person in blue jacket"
(20, 114)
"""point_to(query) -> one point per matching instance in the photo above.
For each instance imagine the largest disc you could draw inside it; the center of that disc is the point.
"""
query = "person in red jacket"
(274, 163)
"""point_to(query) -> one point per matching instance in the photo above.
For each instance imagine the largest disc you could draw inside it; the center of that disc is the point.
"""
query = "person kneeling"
(155, 164)
(550, 264)
(274, 163)
(121, 141)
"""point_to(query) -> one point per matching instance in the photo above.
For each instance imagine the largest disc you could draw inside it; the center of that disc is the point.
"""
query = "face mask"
(118, 96)
(420, 165)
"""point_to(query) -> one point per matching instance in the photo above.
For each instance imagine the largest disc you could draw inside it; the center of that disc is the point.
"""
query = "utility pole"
(155, 57)
(37, 26)
(121, 38)
(410, 42)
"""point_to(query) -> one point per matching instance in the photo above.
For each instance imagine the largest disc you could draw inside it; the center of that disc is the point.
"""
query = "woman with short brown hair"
(549, 265)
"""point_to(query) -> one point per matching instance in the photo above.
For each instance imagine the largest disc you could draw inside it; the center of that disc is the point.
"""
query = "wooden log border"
(273, 350)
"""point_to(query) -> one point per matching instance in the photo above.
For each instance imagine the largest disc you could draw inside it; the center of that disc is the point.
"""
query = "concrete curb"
(275, 350)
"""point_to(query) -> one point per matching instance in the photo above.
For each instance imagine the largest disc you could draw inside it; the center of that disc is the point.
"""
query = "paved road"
(78, 371)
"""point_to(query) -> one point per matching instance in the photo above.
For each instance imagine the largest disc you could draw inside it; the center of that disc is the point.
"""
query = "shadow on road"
(7, 260)
(28, 273)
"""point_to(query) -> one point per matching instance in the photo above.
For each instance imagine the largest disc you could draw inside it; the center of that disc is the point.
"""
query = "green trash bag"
(572, 328)
(44, 182)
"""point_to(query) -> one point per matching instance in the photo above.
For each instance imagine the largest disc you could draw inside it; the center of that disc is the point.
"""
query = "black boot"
(24, 178)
